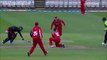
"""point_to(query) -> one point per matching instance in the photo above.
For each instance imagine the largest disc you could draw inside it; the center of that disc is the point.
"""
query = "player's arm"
(52, 25)
(63, 22)
(20, 35)
(40, 32)
(105, 25)
(53, 35)
(31, 33)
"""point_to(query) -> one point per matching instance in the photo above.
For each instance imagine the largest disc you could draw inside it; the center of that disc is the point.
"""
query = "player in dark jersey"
(12, 33)
(105, 24)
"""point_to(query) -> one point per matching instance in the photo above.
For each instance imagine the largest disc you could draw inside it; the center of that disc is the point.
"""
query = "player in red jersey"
(57, 23)
(55, 38)
(36, 34)
(82, 7)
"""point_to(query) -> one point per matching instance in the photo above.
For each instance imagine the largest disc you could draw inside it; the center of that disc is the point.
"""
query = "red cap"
(55, 17)
(36, 23)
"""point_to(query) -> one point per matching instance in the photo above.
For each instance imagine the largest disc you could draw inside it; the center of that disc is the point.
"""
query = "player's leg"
(8, 38)
(57, 41)
(60, 31)
(32, 48)
(105, 40)
(13, 37)
(82, 7)
(50, 41)
(58, 44)
(83, 10)
(42, 47)
(4, 41)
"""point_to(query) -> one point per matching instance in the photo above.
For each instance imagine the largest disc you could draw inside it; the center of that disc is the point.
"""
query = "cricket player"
(57, 23)
(12, 33)
(82, 7)
(105, 24)
(36, 34)
(55, 38)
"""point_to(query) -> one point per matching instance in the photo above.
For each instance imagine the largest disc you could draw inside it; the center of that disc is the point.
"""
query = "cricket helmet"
(55, 17)
(20, 28)
(104, 18)
(36, 23)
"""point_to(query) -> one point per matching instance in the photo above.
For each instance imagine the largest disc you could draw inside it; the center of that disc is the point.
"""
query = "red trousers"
(56, 40)
(60, 31)
(39, 42)
(83, 8)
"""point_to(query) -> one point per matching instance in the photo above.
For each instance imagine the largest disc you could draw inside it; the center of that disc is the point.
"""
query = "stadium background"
(82, 37)
(52, 4)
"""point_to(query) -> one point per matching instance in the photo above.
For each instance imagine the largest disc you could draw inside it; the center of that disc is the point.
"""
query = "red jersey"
(55, 34)
(82, 6)
(60, 22)
(57, 23)
(36, 32)
(82, 2)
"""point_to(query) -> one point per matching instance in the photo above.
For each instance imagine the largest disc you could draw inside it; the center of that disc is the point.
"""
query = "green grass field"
(82, 36)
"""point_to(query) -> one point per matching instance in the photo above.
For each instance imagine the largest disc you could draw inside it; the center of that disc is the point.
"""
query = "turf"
(54, 54)
(74, 21)
(82, 36)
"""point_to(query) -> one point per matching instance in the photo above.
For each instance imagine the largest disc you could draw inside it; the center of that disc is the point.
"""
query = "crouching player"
(55, 38)
(36, 34)
(12, 33)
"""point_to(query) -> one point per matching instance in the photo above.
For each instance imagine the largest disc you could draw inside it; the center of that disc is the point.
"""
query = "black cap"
(104, 18)
(20, 28)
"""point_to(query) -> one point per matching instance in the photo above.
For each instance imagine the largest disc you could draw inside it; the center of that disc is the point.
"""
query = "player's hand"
(6, 31)
(22, 38)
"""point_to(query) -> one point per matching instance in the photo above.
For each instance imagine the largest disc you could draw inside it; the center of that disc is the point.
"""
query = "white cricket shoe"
(52, 46)
(104, 44)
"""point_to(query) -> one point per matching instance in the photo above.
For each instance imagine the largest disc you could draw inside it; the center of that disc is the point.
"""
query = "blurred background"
(82, 36)
(91, 5)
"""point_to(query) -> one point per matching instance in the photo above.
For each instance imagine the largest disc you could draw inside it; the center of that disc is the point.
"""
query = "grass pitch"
(82, 37)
